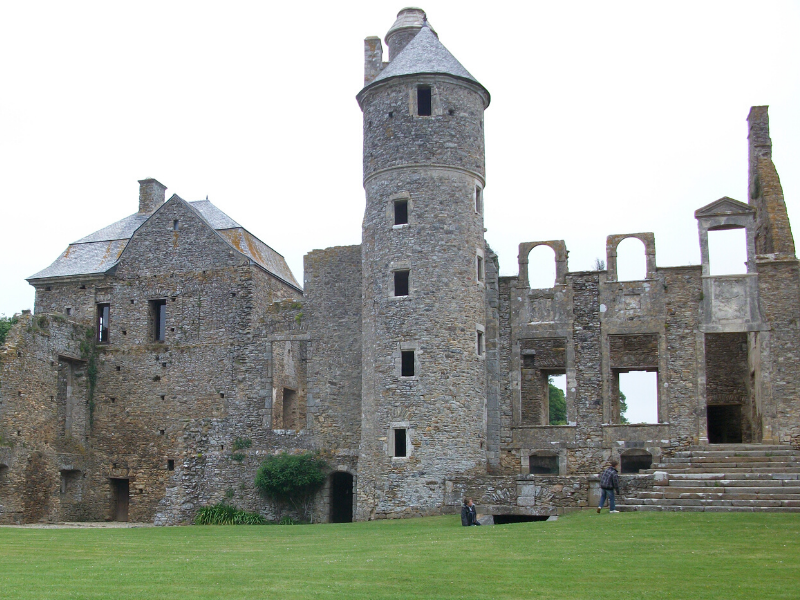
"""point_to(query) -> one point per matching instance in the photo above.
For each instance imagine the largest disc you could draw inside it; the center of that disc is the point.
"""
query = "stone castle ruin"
(170, 352)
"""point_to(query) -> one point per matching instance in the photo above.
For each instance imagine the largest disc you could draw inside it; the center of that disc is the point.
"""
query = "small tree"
(623, 408)
(599, 265)
(292, 479)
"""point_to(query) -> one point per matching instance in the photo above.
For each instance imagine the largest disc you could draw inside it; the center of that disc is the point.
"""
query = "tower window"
(478, 200)
(401, 283)
(424, 101)
(480, 343)
(158, 319)
(407, 363)
(400, 212)
(400, 446)
(103, 311)
(479, 264)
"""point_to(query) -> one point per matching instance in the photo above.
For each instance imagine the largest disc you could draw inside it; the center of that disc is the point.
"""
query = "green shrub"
(238, 456)
(292, 479)
(5, 325)
(242, 443)
(224, 514)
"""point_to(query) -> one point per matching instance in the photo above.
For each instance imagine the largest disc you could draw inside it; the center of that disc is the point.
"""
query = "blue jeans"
(607, 494)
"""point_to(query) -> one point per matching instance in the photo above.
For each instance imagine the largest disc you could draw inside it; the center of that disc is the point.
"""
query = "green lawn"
(628, 555)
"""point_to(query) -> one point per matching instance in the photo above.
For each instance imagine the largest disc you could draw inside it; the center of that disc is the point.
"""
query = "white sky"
(606, 117)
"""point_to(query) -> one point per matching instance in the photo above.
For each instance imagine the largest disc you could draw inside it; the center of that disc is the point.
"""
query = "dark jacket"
(469, 516)
(609, 480)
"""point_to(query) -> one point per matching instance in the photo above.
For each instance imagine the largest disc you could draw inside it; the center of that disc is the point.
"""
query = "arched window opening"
(635, 461)
(631, 260)
(727, 251)
(542, 267)
(638, 397)
(543, 463)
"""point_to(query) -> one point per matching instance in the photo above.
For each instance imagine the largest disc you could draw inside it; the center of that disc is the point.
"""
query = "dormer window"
(424, 101)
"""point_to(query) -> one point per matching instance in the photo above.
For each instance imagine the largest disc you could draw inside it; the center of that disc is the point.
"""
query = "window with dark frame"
(401, 283)
(400, 447)
(158, 317)
(479, 273)
(400, 212)
(103, 313)
(424, 101)
(478, 200)
(407, 363)
(170, 464)
(480, 348)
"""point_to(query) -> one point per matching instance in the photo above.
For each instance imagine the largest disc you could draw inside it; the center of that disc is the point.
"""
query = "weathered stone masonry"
(415, 369)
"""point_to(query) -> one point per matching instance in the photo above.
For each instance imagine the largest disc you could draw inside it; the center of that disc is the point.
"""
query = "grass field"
(628, 555)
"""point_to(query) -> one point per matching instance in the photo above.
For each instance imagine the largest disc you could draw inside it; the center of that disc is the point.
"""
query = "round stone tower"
(424, 308)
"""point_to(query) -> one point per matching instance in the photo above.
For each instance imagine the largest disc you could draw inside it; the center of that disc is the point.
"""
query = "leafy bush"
(558, 406)
(292, 479)
(242, 443)
(224, 514)
(5, 325)
(238, 456)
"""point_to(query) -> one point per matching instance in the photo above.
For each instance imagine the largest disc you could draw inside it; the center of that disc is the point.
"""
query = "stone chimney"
(409, 22)
(373, 58)
(151, 195)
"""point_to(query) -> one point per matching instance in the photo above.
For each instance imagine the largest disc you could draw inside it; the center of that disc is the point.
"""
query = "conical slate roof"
(424, 54)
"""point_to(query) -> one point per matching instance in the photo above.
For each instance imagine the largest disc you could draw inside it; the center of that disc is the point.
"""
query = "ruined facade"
(170, 352)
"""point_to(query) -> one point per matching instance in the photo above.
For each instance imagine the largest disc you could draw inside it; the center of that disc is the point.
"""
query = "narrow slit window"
(424, 101)
(480, 274)
(407, 363)
(400, 212)
(158, 316)
(175, 225)
(400, 447)
(480, 343)
(103, 313)
(170, 464)
(478, 200)
(401, 283)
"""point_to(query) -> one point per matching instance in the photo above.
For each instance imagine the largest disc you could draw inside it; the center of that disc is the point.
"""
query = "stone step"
(726, 468)
(679, 460)
(731, 483)
(757, 454)
(652, 507)
(740, 476)
(737, 447)
(711, 502)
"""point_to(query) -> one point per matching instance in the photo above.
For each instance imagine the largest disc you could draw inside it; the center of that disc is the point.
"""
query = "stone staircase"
(723, 478)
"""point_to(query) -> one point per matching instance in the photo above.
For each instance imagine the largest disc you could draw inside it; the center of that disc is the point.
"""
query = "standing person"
(609, 483)
(468, 514)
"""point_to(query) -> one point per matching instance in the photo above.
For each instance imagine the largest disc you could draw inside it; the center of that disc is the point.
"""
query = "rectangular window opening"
(480, 273)
(424, 101)
(170, 464)
(480, 341)
(158, 319)
(401, 283)
(103, 311)
(478, 200)
(175, 225)
(400, 448)
(400, 212)
(557, 398)
(638, 397)
(407, 363)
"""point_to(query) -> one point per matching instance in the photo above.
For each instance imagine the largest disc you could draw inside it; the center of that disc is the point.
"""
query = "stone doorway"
(120, 497)
(724, 424)
(729, 393)
(341, 498)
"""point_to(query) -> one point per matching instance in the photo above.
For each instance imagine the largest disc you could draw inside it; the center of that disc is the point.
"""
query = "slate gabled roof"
(424, 54)
(98, 252)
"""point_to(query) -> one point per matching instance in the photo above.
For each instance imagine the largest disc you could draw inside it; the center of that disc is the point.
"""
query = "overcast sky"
(606, 117)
